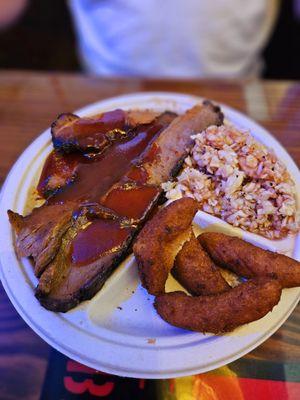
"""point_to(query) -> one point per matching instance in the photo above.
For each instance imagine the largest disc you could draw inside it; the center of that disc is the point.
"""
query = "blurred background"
(43, 35)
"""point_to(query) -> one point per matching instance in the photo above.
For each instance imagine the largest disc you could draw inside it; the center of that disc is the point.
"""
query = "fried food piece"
(196, 272)
(159, 241)
(249, 261)
(223, 312)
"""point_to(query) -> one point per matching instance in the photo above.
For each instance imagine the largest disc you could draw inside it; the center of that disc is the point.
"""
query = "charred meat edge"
(94, 284)
(51, 241)
(89, 288)
(207, 114)
(59, 179)
(132, 118)
(212, 116)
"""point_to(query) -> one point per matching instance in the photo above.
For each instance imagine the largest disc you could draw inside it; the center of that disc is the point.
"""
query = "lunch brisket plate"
(88, 223)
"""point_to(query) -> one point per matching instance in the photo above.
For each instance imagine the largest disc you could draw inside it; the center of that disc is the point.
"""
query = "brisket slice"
(39, 234)
(86, 257)
(69, 280)
(71, 133)
(59, 170)
(76, 175)
(176, 141)
(94, 134)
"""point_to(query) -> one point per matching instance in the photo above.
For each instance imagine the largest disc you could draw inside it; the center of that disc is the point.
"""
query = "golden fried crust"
(157, 244)
(196, 272)
(223, 312)
(249, 261)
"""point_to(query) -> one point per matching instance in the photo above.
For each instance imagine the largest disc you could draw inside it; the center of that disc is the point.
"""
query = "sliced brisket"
(87, 257)
(93, 134)
(39, 233)
(86, 228)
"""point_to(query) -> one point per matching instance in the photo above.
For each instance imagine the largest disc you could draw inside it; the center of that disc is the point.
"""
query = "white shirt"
(173, 38)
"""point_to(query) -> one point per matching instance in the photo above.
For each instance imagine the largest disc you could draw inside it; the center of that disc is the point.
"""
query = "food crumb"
(135, 309)
(151, 341)
(120, 308)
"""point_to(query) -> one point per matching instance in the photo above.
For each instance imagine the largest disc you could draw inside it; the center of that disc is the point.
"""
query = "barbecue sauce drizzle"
(95, 177)
(113, 179)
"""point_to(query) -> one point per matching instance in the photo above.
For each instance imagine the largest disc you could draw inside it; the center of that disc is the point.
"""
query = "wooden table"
(29, 101)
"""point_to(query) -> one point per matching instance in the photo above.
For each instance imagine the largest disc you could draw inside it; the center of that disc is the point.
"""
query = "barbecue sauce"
(59, 170)
(109, 121)
(100, 237)
(137, 173)
(72, 133)
(131, 201)
(116, 180)
(95, 176)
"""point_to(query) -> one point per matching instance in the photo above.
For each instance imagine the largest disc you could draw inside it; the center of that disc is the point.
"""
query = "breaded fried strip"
(223, 312)
(159, 241)
(196, 272)
(249, 261)
(177, 140)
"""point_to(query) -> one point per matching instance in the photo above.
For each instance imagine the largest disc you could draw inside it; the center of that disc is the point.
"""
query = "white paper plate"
(133, 341)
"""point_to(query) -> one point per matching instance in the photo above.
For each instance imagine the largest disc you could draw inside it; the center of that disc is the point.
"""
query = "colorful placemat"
(245, 379)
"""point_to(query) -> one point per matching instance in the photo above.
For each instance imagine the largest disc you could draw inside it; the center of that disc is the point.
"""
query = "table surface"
(29, 101)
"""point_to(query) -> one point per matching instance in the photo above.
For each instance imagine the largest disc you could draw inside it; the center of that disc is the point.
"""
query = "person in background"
(173, 38)
(167, 38)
